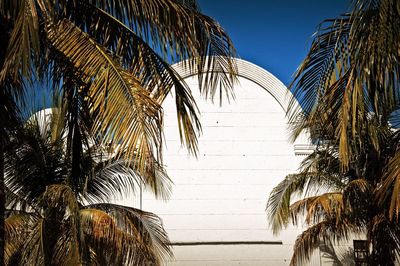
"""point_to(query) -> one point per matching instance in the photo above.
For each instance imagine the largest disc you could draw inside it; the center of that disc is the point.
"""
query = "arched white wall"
(256, 74)
(221, 196)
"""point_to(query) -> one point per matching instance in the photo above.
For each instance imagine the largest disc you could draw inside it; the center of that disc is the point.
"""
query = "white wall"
(221, 195)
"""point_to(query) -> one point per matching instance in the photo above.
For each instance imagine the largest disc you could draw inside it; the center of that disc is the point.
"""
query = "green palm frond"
(315, 73)
(110, 64)
(212, 61)
(14, 201)
(32, 164)
(385, 238)
(37, 177)
(348, 88)
(181, 32)
(280, 200)
(354, 190)
(114, 177)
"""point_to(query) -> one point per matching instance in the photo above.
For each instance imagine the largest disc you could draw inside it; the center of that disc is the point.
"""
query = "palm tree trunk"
(4, 37)
(2, 204)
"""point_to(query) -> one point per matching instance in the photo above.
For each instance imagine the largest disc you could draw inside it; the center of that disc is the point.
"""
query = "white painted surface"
(221, 196)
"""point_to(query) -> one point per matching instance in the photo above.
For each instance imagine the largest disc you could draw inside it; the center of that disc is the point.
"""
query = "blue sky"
(274, 34)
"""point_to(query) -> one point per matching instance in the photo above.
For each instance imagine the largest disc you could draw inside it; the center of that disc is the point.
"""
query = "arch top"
(258, 75)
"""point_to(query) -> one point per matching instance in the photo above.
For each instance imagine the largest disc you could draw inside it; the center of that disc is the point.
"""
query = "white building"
(216, 215)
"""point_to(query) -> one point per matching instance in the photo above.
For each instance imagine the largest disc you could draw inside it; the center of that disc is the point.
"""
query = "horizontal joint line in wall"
(215, 243)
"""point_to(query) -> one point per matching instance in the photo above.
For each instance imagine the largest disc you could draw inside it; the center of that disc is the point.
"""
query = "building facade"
(216, 214)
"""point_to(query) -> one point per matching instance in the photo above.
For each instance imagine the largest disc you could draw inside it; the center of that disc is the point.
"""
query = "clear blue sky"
(274, 34)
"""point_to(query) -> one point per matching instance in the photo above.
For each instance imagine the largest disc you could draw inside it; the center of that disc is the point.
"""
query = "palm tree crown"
(57, 216)
(110, 61)
(348, 87)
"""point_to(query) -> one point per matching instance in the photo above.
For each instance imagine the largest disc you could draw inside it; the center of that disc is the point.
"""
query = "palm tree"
(349, 92)
(351, 73)
(115, 56)
(56, 216)
(336, 206)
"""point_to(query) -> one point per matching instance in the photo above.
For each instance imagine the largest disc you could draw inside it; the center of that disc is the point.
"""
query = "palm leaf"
(61, 212)
(24, 44)
(310, 239)
(15, 230)
(301, 184)
(390, 188)
(351, 51)
(145, 227)
(155, 73)
(112, 177)
(110, 243)
(113, 92)
(181, 32)
(318, 208)
(280, 199)
(34, 249)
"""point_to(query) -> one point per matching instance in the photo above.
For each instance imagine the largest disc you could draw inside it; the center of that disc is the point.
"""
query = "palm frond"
(24, 44)
(338, 255)
(34, 246)
(155, 74)
(347, 96)
(145, 227)
(15, 231)
(60, 196)
(14, 202)
(215, 67)
(280, 199)
(111, 244)
(181, 32)
(318, 208)
(112, 177)
(389, 191)
(32, 163)
(113, 92)
(61, 212)
(315, 73)
(354, 191)
(310, 239)
(383, 236)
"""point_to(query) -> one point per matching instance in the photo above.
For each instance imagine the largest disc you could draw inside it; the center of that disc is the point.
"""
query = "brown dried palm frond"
(16, 229)
(389, 191)
(311, 238)
(318, 208)
(144, 227)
